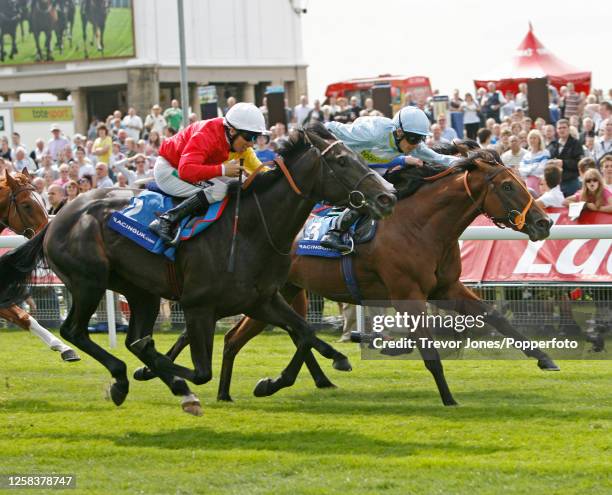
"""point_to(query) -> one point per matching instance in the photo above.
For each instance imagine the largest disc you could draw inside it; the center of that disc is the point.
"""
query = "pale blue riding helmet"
(412, 120)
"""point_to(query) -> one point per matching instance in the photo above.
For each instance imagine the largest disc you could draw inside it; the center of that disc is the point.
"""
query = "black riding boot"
(333, 238)
(165, 225)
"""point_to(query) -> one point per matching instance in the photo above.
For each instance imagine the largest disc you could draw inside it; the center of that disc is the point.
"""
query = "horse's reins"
(513, 216)
(281, 165)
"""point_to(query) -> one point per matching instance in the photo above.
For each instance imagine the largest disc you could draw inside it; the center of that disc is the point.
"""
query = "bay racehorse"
(94, 12)
(22, 211)
(9, 19)
(43, 19)
(415, 256)
(89, 258)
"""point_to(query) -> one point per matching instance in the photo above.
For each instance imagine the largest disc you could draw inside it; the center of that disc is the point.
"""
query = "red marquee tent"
(534, 60)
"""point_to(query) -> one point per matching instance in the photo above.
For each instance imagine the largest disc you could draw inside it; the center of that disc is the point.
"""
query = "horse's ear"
(9, 179)
(313, 138)
(27, 174)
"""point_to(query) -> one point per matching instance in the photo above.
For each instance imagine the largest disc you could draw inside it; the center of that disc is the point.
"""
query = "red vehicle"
(418, 86)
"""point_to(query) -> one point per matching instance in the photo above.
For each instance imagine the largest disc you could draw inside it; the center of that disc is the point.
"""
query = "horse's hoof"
(548, 364)
(225, 398)
(325, 384)
(144, 374)
(342, 364)
(263, 388)
(191, 405)
(70, 355)
(118, 393)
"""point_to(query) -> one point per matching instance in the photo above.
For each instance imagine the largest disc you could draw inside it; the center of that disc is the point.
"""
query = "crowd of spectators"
(121, 150)
(117, 152)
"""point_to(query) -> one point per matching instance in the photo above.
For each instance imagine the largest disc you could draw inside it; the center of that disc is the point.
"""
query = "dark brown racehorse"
(89, 257)
(43, 19)
(9, 19)
(414, 257)
(94, 12)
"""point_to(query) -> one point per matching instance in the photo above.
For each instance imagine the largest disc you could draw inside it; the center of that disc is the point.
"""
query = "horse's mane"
(410, 179)
(290, 149)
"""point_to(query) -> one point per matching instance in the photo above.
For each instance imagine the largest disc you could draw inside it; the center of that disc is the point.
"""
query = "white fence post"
(110, 317)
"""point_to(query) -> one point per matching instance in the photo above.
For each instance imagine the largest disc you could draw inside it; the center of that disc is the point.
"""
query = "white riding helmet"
(412, 120)
(246, 117)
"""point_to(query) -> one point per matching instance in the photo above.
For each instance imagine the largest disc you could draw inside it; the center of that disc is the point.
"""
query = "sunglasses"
(588, 181)
(249, 137)
(139, 161)
(414, 138)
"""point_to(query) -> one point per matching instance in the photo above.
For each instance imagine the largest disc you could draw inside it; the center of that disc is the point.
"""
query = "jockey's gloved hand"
(232, 168)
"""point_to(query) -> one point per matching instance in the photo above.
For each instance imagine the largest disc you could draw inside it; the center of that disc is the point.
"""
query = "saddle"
(133, 220)
(321, 221)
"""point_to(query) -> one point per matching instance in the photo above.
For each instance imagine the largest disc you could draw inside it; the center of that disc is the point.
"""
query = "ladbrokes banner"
(578, 260)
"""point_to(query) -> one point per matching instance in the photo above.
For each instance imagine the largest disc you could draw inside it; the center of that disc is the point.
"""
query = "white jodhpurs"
(168, 181)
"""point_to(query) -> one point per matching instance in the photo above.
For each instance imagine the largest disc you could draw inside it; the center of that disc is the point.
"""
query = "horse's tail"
(16, 269)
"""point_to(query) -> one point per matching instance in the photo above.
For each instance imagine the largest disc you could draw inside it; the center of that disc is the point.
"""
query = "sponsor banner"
(43, 114)
(578, 260)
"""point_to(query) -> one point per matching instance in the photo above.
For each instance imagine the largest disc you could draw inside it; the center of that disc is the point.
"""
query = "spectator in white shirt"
(448, 133)
(155, 121)
(102, 178)
(39, 150)
(603, 145)
(57, 143)
(301, 111)
(513, 157)
(132, 124)
(85, 166)
(22, 160)
(142, 172)
(552, 196)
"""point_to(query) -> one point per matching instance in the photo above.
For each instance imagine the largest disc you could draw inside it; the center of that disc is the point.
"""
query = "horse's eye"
(506, 186)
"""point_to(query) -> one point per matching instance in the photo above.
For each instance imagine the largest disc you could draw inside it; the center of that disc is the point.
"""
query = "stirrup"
(348, 250)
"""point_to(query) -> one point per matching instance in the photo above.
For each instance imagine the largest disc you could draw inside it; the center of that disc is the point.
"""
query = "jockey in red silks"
(197, 163)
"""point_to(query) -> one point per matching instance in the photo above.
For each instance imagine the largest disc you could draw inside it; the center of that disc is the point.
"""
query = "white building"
(240, 46)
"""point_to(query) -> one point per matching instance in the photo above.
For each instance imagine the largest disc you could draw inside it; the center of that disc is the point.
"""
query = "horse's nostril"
(544, 224)
(385, 200)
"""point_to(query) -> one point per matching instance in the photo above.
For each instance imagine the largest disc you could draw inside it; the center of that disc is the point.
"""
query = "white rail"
(475, 233)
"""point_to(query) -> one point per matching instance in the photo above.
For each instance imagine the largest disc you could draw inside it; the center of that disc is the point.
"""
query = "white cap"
(246, 117)
(55, 127)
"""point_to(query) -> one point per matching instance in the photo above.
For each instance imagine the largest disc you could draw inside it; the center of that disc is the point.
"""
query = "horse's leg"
(415, 303)
(37, 42)
(1, 46)
(85, 300)
(279, 313)
(200, 322)
(19, 317)
(464, 301)
(48, 36)
(144, 308)
(14, 47)
(247, 328)
(101, 45)
(144, 373)
(84, 30)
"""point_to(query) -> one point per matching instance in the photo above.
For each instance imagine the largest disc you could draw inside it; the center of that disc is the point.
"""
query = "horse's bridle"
(324, 166)
(513, 216)
(13, 201)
